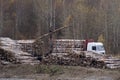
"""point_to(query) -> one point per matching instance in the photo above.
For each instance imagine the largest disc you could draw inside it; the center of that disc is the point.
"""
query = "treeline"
(86, 19)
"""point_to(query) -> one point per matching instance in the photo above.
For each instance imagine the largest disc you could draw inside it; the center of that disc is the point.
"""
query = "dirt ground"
(55, 72)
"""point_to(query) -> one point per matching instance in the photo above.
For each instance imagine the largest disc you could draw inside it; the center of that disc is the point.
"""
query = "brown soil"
(55, 72)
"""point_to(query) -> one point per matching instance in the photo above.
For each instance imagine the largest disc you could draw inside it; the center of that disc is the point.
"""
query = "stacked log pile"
(112, 62)
(10, 51)
(66, 45)
(27, 45)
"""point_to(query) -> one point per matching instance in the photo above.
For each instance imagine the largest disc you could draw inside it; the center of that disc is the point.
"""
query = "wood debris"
(80, 59)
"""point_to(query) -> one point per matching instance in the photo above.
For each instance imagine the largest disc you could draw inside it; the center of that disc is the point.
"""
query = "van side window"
(94, 48)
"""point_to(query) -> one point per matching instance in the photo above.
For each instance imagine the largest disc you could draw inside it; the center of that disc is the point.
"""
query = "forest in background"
(86, 19)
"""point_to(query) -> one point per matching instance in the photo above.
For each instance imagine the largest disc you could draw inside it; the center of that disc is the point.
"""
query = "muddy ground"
(55, 72)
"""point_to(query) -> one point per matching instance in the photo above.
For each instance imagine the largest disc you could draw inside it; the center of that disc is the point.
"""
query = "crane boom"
(47, 34)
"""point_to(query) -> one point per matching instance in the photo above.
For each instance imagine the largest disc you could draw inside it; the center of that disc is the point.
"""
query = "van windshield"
(100, 48)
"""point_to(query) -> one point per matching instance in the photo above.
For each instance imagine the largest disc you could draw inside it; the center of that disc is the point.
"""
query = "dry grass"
(49, 69)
